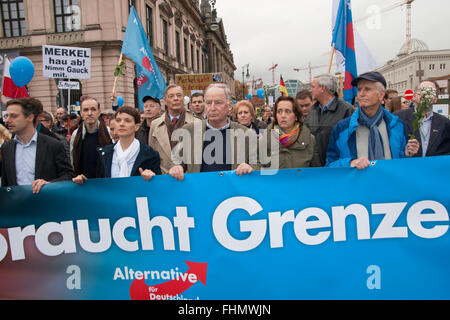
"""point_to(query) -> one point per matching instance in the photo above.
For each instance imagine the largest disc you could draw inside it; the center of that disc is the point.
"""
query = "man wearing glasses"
(208, 147)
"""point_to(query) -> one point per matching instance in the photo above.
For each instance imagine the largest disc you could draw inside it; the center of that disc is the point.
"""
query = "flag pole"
(116, 79)
(331, 57)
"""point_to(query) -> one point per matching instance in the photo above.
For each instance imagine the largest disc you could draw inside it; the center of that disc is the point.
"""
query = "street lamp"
(214, 26)
(243, 78)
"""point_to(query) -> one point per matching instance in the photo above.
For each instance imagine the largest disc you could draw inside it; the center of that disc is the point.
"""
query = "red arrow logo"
(147, 64)
(139, 290)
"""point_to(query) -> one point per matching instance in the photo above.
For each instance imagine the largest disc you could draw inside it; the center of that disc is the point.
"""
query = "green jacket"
(300, 155)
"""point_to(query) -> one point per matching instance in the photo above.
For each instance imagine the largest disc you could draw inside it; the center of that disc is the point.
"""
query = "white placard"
(441, 109)
(66, 85)
(66, 62)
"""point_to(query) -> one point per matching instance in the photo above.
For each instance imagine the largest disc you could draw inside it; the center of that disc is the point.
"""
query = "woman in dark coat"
(128, 157)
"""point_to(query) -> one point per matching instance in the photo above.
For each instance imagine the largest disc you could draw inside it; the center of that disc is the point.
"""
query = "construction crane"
(408, 19)
(309, 68)
(274, 66)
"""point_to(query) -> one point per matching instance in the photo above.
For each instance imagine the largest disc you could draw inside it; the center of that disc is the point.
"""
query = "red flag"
(10, 90)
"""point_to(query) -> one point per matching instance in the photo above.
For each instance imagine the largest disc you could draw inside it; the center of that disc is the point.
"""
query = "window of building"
(177, 40)
(192, 57)
(442, 66)
(185, 52)
(67, 15)
(13, 17)
(149, 24)
(431, 66)
(198, 60)
(166, 36)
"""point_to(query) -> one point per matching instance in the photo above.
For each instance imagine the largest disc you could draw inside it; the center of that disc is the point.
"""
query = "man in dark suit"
(434, 135)
(31, 158)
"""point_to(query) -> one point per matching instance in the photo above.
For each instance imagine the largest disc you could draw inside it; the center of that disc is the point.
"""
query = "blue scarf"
(376, 147)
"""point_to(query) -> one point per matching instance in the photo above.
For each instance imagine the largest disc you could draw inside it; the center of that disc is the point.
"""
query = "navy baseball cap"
(146, 98)
(370, 76)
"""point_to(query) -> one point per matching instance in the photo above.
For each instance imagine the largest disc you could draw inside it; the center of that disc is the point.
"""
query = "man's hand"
(360, 164)
(147, 174)
(244, 169)
(79, 179)
(177, 172)
(412, 148)
(37, 185)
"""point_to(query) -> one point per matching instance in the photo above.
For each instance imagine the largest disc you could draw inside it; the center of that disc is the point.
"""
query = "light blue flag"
(150, 81)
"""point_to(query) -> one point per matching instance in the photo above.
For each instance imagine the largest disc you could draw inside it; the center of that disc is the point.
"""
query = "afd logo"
(173, 289)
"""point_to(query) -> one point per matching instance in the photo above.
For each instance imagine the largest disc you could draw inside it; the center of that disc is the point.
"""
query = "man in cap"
(152, 110)
(371, 133)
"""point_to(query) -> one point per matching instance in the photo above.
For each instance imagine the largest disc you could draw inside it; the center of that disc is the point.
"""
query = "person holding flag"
(136, 47)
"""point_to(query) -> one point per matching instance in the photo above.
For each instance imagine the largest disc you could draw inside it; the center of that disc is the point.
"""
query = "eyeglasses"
(218, 103)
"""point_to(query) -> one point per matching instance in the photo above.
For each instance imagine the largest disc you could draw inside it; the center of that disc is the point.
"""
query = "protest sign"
(66, 62)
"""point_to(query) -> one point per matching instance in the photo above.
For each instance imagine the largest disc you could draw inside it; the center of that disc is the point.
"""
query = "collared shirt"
(425, 133)
(26, 160)
(224, 127)
(325, 108)
(172, 117)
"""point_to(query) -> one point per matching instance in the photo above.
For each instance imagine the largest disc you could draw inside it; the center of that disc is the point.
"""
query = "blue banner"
(318, 233)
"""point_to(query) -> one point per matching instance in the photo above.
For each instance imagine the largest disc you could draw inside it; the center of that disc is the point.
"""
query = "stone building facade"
(406, 71)
(179, 33)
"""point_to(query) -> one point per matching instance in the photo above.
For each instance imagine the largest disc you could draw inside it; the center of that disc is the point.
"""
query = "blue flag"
(343, 39)
(150, 81)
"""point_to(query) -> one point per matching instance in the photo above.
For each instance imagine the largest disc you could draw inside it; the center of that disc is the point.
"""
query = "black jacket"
(146, 159)
(321, 125)
(439, 144)
(52, 161)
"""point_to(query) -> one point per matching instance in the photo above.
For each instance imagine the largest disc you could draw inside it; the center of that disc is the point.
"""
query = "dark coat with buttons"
(322, 124)
(52, 161)
(146, 159)
(439, 144)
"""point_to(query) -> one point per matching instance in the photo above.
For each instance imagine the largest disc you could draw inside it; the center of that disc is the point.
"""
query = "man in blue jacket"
(371, 133)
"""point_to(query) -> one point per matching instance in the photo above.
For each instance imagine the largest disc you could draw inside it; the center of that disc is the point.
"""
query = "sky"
(294, 33)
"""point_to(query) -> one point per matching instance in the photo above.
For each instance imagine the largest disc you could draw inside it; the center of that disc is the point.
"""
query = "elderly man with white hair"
(372, 133)
(216, 144)
(326, 112)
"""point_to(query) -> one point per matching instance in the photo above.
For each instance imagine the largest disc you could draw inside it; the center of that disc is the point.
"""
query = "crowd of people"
(314, 129)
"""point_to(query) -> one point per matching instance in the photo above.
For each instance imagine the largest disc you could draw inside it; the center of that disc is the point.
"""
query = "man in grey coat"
(326, 112)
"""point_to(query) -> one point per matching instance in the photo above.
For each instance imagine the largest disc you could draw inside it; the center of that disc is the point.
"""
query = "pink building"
(179, 32)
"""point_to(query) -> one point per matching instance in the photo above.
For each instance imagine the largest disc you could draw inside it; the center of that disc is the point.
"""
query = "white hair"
(329, 81)
(222, 86)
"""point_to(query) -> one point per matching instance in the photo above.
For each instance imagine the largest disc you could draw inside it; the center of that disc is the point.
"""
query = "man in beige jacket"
(216, 144)
(162, 128)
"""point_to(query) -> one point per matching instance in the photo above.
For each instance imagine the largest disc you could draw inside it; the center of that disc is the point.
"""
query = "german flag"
(283, 88)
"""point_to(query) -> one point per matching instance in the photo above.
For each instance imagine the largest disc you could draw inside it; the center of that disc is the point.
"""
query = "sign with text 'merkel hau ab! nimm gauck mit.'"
(66, 62)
